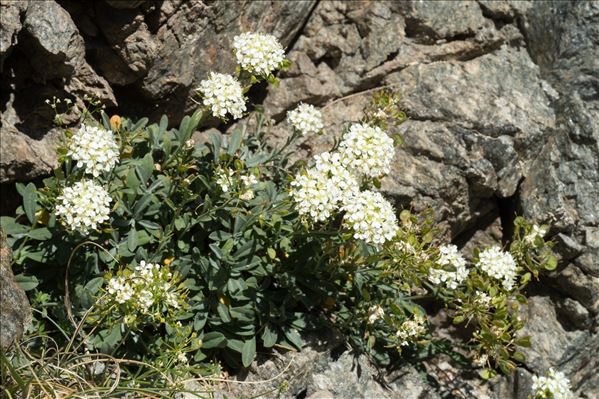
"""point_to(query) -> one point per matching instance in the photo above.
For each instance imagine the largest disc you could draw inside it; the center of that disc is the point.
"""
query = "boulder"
(15, 312)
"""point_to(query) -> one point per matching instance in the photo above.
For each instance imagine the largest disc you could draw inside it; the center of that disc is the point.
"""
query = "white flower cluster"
(225, 179)
(499, 265)
(306, 118)
(483, 299)
(147, 285)
(332, 185)
(375, 313)
(535, 232)
(411, 329)
(371, 217)
(319, 191)
(94, 149)
(247, 181)
(223, 94)
(258, 53)
(83, 206)
(449, 256)
(367, 150)
(554, 385)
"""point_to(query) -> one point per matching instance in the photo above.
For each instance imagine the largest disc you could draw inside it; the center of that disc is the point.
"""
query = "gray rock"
(15, 312)
(24, 158)
(11, 13)
(563, 185)
(550, 340)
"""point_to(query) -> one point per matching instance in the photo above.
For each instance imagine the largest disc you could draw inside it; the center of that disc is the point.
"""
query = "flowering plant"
(223, 248)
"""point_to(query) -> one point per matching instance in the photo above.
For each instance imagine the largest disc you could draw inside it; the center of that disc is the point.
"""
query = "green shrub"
(215, 251)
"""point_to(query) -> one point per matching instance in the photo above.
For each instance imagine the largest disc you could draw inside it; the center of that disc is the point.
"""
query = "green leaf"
(223, 312)
(523, 341)
(248, 353)
(40, 234)
(30, 202)
(105, 120)
(293, 336)
(145, 168)
(163, 124)
(216, 145)
(214, 339)
(269, 336)
(27, 283)
(271, 253)
(11, 227)
(234, 142)
(141, 205)
(519, 357)
(486, 374)
(132, 239)
(149, 225)
(458, 319)
(551, 262)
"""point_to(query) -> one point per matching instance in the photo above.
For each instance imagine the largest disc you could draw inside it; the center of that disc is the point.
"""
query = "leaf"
(223, 312)
(214, 339)
(215, 140)
(248, 353)
(234, 142)
(27, 283)
(519, 357)
(141, 205)
(149, 225)
(269, 336)
(486, 374)
(40, 234)
(132, 240)
(551, 263)
(105, 120)
(163, 124)
(11, 227)
(458, 319)
(145, 168)
(293, 336)
(30, 202)
(140, 124)
(523, 341)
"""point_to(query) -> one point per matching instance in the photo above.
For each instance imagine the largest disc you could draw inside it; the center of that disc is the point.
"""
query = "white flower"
(181, 357)
(554, 385)
(375, 313)
(449, 256)
(411, 329)
(190, 143)
(248, 180)
(83, 206)
(371, 217)
(320, 190)
(498, 265)
(306, 118)
(247, 195)
(367, 150)
(482, 299)
(223, 94)
(121, 289)
(535, 232)
(258, 53)
(224, 178)
(94, 149)
(148, 285)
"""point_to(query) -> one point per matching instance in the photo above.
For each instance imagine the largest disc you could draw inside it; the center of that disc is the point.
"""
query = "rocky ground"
(503, 106)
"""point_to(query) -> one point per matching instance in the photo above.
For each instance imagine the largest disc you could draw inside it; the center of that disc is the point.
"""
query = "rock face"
(15, 313)
(503, 107)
